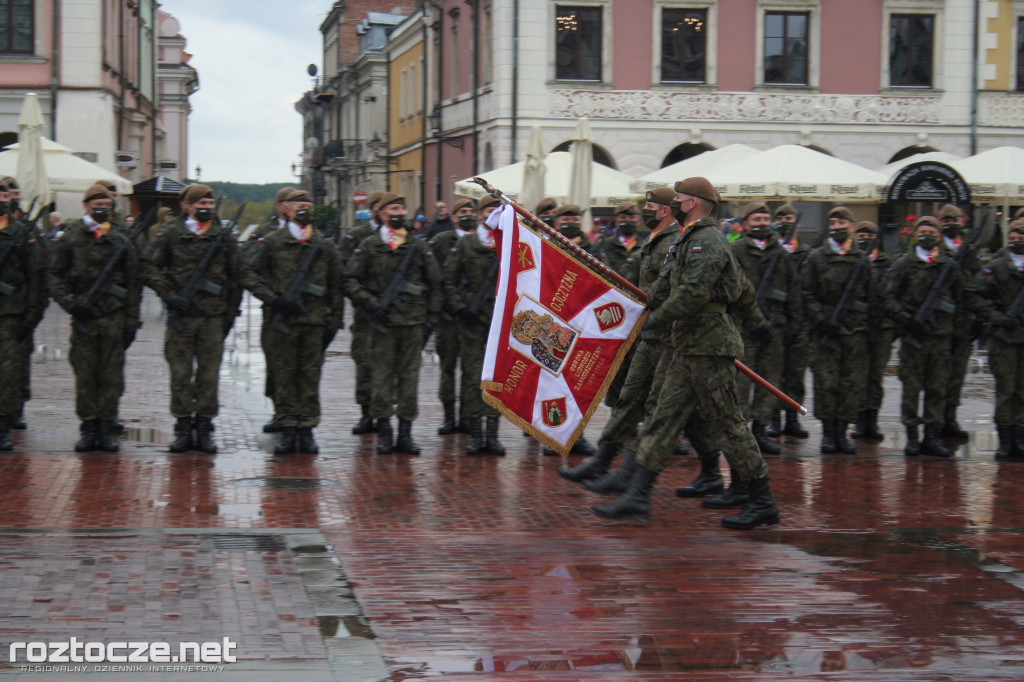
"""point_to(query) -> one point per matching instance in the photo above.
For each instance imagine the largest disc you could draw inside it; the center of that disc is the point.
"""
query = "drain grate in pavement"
(284, 483)
(248, 543)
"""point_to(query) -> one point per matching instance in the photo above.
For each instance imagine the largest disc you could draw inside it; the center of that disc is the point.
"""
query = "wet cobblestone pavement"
(356, 566)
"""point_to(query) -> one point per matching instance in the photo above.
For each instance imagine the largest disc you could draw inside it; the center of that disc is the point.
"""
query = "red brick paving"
(490, 568)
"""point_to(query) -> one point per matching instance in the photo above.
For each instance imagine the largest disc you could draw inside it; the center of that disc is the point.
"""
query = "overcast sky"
(251, 56)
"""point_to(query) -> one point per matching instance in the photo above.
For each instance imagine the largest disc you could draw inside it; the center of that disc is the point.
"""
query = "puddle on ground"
(310, 549)
(344, 626)
(146, 435)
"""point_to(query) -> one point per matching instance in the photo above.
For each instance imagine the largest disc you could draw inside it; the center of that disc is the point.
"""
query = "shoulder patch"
(355, 252)
(697, 249)
(452, 250)
(349, 236)
(986, 271)
(430, 254)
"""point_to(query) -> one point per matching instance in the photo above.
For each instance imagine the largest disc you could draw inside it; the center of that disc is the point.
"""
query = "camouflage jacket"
(909, 283)
(351, 241)
(992, 292)
(174, 255)
(277, 262)
(249, 247)
(879, 315)
(464, 273)
(370, 269)
(824, 278)
(443, 245)
(651, 256)
(76, 261)
(613, 253)
(24, 271)
(783, 296)
(704, 279)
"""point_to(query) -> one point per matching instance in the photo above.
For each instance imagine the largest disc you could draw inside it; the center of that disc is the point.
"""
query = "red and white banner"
(557, 338)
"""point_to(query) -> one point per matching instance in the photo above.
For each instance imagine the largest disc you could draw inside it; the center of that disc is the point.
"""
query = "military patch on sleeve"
(697, 249)
(452, 250)
(986, 271)
(430, 254)
(348, 236)
(355, 252)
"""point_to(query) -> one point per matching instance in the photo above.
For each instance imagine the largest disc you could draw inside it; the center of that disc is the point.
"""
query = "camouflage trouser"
(267, 344)
(97, 359)
(12, 358)
(396, 372)
(767, 360)
(193, 357)
(639, 392)
(298, 360)
(924, 369)
(1006, 362)
(28, 346)
(840, 377)
(797, 357)
(619, 381)
(362, 354)
(879, 351)
(448, 343)
(959, 357)
(704, 385)
(470, 393)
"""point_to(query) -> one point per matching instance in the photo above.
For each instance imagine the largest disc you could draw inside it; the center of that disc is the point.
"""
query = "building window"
(17, 26)
(1020, 54)
(453, 76)
(910, 50)
(683, 45)
(785, 47)
(578, 36)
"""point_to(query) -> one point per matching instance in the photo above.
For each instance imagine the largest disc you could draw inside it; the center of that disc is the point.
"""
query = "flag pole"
(768, 387)
(577, 252)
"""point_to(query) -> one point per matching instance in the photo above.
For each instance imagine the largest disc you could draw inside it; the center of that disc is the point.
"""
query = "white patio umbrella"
(65, 172)
(793, 172)
(700, 165)
(994, 176)
(534, 170)
(582, 151)
(31, 171)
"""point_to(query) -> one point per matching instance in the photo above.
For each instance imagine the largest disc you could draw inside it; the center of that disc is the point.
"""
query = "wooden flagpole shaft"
(577, 252)
(771, 389)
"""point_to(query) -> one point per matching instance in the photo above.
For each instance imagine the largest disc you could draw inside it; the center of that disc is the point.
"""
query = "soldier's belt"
(712, 308)
(859, 306)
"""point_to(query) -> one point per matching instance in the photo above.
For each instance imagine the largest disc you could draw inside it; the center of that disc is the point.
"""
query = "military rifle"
(766, 290)
(846, 301)
(798, 262)
(27, 227)
(395, 292)
(475, 305)
(300, 285)
(197, 282)
(1013, 313)
(102, 284)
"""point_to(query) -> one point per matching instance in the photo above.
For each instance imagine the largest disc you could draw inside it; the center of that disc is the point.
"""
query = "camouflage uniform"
(798, 350)
(625, 262)
(961, 345)
(359, 347)
(883, 333)
(96, 355)
(783, 307)
(447, 339)
(28, 345)
(395, 361)
(194, 352)
(297, 356)
(20, 312)
(248, 251)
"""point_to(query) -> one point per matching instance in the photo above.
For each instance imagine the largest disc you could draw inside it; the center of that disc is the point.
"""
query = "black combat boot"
(286, 445)
(448, 427)
(614, 481)
(18, 420)
(1018, 441)
(828, 436)
(591, 467)
(765, 444)
(774, 429)
(1006, 442)
(708, 482)
(204, 436)
(932, 443)
(760, 511)
(307, 444)
(105, 438)
(5, 435)
(117, 425)
(385, 437)
(272, 426)
(913, 446)
(404, 444)
(183, 432)
(581, 447)
(491, 442)
(476, 436)
(634, 502)
(680, 448)
(793, 427)
(736, 495)
(843, 444)
(463, 421)
(365, 423)
(950, 429)
(88, 440)
(871, 426)
(860, 427)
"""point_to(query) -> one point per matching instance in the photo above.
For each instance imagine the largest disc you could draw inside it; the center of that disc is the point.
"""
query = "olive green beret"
(96, 192)
(546, 204)
(568, 209)
(487, 202)
(698, 187)
(282, 194)
(194, 193)
(950, 211)
(663, 195)
(867, 226)
(785, 209)
(754, 207)
(841, 212)
(461, 204)
(299, 195)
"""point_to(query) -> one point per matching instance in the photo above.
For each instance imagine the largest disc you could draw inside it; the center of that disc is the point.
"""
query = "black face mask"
(952, 231)
(468, 222)
(1016, 247)
(839, 236)
(396, 222)
(15, 204)
(628, 228)
(865, 242)
(761, 232)
(928, 242)
(100, 215)
(549, 220)
(650, 217)
(204, 215)
(5, 206)
(303, 217)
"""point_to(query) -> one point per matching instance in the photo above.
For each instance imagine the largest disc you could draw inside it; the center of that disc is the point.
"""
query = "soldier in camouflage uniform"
(100, 333)
(924, 351)
(698, 282)
(545, 210)
(22, 301)
(448, 340)
(117, 218)
(196, 325)
(359, 348)
(796, 346)
(396, 349)
(568, 220)
(992, 295)
(299, 330)
(469, 279)
(883, 333)
(247, 250)
(840, 375)
(756, 252)
(963, 338)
